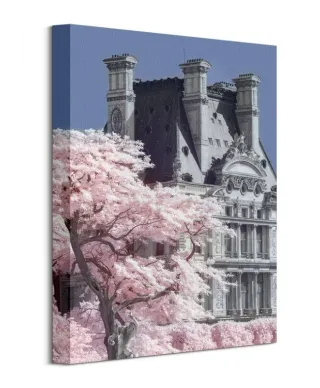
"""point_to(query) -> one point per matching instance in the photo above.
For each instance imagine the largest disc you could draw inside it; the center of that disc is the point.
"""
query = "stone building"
(205, 140)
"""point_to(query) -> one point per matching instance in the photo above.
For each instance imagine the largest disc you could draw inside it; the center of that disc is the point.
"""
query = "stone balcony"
(245, 256)
(234, 312)
(249, 312)
(265, 311)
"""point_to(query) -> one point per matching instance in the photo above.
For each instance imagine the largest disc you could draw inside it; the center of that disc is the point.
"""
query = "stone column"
(222, 245)
(254, 241)
(255, 291)
(213, 299)
(269, 304)
(250, 292)
(239, 296)
(210, 243)
(265, 290)
(239, 241)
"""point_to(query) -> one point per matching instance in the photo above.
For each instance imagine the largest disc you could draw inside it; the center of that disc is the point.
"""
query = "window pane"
(159, 249)
(259, 239)
(243, 238)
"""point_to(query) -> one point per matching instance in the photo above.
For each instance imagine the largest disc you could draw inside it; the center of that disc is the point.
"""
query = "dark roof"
(266, 156)
(157, 109)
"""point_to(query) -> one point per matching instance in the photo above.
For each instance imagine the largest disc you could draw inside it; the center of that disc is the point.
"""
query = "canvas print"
(164, 194)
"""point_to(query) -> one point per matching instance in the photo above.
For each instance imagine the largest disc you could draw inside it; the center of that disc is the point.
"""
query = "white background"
(25, 192)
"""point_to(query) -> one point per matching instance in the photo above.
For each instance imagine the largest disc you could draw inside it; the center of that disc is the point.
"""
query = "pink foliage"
(98, 194)
(104, 218)
(264, 330)
(78, 338)
(72, 342)
(230, 334)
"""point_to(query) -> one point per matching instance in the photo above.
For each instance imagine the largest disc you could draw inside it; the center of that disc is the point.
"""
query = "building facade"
(205, 140)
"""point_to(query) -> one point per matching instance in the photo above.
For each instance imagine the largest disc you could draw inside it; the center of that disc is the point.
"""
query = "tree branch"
(83, 266)
(146, 298)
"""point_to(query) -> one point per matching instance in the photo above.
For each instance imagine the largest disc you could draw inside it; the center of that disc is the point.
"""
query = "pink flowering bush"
(230, 334)
(79, 339)
(72, 342)
(264, 330)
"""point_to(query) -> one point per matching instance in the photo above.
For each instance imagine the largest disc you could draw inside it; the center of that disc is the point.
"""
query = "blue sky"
(159, 56)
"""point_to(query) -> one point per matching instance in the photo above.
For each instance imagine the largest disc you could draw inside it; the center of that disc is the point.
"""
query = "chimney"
(247, 110)
(195, 100)
(120, 96)
(195, 77)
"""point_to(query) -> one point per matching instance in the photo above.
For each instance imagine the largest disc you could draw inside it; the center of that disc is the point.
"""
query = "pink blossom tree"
(103, 218)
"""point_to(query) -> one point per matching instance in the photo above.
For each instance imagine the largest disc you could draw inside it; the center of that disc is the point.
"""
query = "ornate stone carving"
(120, 65)
(222, 90)
(219, 297)
(239, 147)
(202, 69)
(116, 120)
(249, 83)
(218, 243)
(176, 168)
(203, 101)
(129, 98)
(270, 198)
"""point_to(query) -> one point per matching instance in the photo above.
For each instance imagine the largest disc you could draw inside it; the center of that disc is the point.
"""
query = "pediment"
(243, 165)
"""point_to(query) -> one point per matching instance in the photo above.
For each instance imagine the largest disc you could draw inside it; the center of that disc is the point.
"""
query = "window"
(243, 189)
(229, 211)
(243, 231)
(230, 243)
(229, 187)
(259, 239)
(260, 291)
(227, 243)
(220, 122)
(215, 115)
(244, 290)
(259, 213)
(210, 141)
(198, 249)
(263, 163)
(244, 212)
(159, 249)
(218, 142)
(257, 190)
(226, 143)
(185, 150)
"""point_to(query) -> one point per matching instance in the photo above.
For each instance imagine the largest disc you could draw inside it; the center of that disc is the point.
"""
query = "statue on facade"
(176, 168)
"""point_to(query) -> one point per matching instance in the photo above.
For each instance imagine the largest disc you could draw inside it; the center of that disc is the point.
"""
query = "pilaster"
(255, 291)
(254, 241)
(239, 241)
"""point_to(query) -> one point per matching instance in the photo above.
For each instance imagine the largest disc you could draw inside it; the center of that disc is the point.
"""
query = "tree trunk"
(117, 336)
